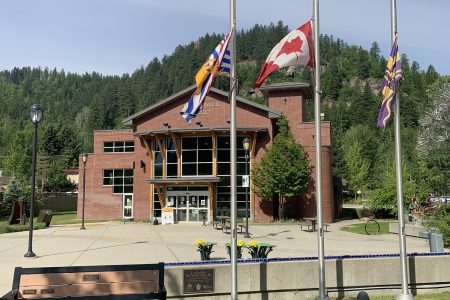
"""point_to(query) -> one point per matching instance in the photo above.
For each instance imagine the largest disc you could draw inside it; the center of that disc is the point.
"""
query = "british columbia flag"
(218, 63)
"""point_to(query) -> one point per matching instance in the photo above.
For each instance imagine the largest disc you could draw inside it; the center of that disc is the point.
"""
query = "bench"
(114, 282)
(216, 224)
(309, 226)
(227, 226)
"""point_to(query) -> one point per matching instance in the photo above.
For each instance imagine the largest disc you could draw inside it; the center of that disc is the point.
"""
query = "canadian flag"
(293, 50)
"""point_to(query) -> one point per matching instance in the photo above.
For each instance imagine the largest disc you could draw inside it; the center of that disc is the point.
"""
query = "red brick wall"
(289, 103)
(101, 203)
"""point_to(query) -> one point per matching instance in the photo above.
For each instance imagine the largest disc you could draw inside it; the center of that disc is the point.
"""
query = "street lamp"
(84, 158)
(36, 116)
(246, 146)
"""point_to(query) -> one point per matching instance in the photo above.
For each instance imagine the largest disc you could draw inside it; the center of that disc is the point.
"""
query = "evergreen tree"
(357, 167)
(15, 191)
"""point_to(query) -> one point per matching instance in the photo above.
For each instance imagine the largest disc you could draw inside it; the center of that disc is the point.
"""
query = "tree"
(384, 199)
(284, 170)
(357, 167)
(433, 141)
(18, 155)
(15, 191)
(439, 220)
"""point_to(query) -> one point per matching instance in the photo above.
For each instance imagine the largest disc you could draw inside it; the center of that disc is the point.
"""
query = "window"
(158, 160)
(223, 170)
(171, 158)
(118, 146)
(120, 179)
(196, 156)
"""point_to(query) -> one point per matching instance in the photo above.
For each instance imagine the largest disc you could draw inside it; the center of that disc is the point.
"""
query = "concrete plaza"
(137, 243)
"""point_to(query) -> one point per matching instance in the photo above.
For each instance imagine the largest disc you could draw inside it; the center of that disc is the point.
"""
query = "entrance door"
(181, 211)
(127, 206)
(189, 207)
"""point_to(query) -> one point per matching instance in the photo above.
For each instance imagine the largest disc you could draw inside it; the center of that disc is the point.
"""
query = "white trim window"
(120, 179)
(118, 146)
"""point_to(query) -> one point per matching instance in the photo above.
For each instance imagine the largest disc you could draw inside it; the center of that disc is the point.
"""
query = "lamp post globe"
(36, 112)
(246, 146)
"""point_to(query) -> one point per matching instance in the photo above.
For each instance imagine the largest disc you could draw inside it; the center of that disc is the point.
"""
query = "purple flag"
(392, 75)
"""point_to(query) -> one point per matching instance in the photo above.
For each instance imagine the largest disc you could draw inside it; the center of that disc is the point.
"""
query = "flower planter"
(205, 249)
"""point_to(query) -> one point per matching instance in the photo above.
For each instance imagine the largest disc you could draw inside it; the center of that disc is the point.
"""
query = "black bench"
(115, 282)
(227, 226)
(309, 225)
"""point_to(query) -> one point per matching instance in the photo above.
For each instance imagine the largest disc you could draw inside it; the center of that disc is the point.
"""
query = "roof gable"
(272, 114)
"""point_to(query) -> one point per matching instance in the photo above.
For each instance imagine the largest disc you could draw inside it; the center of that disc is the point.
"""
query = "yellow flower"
(240, 243)
(253, 244)
(200, 242)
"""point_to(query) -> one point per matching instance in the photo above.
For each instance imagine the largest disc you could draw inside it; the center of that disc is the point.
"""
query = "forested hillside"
(77, 104)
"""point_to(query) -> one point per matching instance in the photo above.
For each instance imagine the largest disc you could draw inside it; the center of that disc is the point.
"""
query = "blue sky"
(114, 37)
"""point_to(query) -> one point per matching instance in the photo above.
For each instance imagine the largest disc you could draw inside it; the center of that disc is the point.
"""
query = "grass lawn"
(359, 228)
(57, 219)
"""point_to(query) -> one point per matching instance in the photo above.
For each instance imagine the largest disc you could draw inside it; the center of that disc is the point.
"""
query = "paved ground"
(117, 243)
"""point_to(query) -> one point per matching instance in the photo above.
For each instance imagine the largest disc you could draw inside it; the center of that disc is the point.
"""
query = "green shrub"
(438, 220)
(4, 228)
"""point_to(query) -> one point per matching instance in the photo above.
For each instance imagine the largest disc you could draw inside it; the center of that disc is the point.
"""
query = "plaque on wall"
(198, 281)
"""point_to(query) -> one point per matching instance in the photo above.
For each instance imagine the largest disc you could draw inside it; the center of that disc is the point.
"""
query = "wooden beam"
(161, 195)
(150, 159)
(178, 151)
(211, 201)
(163, 153)
(177, 147)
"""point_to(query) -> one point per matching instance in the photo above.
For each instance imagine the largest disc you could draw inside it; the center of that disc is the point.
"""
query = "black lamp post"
(84, 159)
(246, 146)
(36, 117)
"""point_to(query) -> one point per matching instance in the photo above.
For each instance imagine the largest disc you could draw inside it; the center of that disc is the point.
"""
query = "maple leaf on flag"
(295, 49)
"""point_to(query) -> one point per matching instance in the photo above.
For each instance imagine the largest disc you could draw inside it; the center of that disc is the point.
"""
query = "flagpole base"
(322, 298)
(404, 297)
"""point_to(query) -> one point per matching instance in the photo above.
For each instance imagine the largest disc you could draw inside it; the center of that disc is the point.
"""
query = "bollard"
(436, 242)
(204, 218)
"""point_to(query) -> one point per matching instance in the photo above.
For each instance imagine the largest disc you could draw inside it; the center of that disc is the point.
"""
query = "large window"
(197, 156)
(120, 179)
(223, 170)
(158, 160)
(171, 157)
(118, 146)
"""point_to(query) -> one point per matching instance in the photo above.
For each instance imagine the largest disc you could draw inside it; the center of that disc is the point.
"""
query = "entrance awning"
(184, 180)
(199, 130)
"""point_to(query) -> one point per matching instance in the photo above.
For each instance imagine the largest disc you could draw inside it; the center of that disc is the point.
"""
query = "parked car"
(444, 199)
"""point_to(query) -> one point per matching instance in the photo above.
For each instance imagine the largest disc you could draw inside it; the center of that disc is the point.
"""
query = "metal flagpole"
(405, 295)
(233, 150)
(320, 233)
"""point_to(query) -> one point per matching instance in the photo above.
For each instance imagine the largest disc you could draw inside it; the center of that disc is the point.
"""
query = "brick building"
(163, 162)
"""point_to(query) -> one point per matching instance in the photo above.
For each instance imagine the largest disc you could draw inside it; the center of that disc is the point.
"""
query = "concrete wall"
(299, 279)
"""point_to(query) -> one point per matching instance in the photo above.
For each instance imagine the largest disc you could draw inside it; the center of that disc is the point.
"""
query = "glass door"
(181, 209)
(189, 206)
(203, 205)
(193, 208)
(127, 206)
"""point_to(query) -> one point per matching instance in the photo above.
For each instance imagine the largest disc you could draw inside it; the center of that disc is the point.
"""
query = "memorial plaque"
(197, 281)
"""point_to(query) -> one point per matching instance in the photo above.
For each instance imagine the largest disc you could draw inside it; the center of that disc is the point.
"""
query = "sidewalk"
(137, 243)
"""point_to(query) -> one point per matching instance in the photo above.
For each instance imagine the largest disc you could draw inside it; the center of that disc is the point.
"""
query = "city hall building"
(161, 161)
